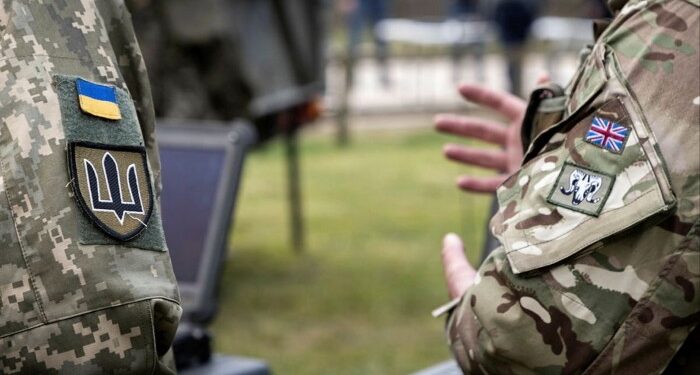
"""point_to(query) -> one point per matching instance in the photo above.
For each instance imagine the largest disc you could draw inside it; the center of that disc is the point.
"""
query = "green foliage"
(358, 301)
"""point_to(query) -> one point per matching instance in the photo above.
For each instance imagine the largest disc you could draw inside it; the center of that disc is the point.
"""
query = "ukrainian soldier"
(599, 266)
(86, 284)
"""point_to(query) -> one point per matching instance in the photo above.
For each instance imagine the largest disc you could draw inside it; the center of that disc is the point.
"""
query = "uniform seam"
(39, 55)
(152, 327)
(662, 177)
(128, 302)
(32, 282)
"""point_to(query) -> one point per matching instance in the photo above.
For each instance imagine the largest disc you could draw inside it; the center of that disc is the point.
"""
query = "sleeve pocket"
(596, 177)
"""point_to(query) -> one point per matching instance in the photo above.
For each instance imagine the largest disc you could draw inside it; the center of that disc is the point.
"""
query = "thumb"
(459, 274)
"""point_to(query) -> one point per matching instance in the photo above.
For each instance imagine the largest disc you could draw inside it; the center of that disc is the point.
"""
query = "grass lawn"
(358, 301)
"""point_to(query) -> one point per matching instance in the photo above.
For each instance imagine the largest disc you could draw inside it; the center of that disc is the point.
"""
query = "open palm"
(505, 160)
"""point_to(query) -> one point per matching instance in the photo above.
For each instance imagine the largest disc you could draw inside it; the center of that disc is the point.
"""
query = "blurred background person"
(361, 16)
(466, 11)
(513, 19)
(599, 9)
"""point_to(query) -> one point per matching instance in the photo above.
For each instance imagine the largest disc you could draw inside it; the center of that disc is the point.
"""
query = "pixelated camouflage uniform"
(72, 302)
(610, 284)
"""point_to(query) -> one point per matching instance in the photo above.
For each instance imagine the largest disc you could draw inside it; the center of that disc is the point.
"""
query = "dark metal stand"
(291, 142)
(343, 134)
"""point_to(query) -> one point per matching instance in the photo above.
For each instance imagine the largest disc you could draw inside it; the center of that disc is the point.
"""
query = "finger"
(472, 127)
(492, 159)
(509, 105)
(475, 184)
(543, 78)
(459, 274)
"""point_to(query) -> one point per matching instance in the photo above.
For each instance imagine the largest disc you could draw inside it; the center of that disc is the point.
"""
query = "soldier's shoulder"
(655, 39)
(655, 45)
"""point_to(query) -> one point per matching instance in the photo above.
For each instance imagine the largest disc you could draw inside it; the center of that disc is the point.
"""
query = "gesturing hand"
(506, 160)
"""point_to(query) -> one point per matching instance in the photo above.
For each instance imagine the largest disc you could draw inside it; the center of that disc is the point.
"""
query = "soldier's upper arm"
(86, 284)
(599, 229)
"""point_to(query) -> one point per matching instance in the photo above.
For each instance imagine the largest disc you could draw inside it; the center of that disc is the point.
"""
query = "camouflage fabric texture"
(599, 268)
(67, 307)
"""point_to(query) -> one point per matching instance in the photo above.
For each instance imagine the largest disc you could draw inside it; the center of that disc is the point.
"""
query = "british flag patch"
(607, 134)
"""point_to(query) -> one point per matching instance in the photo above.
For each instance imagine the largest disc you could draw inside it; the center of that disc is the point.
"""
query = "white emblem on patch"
(581, 189)
(582, 186)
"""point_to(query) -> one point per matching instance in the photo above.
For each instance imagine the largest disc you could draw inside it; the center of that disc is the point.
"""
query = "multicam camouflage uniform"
(73, 298)
(599, 268)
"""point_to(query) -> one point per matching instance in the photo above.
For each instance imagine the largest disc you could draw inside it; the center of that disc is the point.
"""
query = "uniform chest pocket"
(598, 175)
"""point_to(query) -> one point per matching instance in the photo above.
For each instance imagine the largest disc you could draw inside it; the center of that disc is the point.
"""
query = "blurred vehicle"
(259, 60)
(222, 60)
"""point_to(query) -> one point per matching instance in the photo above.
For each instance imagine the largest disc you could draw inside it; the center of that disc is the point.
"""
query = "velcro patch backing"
(82, 127)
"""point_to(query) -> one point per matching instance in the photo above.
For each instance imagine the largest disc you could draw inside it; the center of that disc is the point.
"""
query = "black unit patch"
(112, 186)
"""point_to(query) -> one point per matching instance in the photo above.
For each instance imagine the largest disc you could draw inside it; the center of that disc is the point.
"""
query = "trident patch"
(112, 186)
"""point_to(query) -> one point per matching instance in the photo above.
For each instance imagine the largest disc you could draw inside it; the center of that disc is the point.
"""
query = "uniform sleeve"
(508, 324)
(594, 315)
(86, 282)
(592, 277)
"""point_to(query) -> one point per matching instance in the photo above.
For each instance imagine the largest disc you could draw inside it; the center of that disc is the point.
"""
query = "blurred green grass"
(358, 301)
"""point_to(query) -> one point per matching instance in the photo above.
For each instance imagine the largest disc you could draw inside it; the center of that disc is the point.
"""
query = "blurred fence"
(430, 58)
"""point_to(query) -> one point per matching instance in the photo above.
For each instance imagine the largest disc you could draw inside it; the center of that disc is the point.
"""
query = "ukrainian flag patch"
(98, 100)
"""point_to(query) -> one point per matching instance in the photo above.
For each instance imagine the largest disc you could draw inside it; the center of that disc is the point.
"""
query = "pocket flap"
(596, 179)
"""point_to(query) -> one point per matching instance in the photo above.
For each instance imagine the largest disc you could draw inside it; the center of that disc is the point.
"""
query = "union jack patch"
(607, 135)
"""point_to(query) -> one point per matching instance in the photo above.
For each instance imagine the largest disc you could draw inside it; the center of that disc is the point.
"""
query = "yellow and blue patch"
(98, 100)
